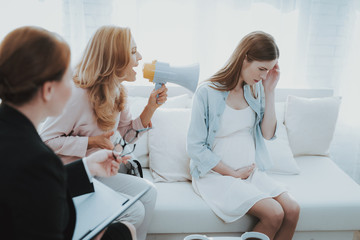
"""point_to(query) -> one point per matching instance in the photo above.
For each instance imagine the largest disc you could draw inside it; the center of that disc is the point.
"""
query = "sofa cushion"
(169, 161)
(279, 148)
(329, 198)
(329, 201)
(310, 124)
(136, 105)
(179, 209)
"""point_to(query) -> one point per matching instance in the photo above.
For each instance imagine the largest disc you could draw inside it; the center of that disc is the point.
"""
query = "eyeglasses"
(123, 147)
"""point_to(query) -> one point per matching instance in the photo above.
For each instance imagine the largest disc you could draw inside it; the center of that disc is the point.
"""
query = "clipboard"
(96, 210)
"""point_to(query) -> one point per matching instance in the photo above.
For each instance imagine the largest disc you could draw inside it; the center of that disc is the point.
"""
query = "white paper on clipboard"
(95, 211)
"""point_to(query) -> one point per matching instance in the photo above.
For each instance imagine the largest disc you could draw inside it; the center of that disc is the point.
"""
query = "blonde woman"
(98, 108)
(231, 114)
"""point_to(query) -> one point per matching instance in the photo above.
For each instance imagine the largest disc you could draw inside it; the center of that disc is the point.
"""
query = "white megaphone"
(161, 73)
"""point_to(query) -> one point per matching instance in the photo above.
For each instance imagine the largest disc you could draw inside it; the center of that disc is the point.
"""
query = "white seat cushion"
(179, 209)
(329, 201)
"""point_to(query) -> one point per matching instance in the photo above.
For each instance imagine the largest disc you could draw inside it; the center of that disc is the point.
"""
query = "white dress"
(231, 198)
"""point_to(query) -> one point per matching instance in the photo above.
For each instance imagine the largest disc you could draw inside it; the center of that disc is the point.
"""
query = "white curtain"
(187, 31)
(346, 145)
(318, 41)
(74, 27)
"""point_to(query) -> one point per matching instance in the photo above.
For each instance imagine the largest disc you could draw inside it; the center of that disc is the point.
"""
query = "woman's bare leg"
(270, 215)
(291, 216)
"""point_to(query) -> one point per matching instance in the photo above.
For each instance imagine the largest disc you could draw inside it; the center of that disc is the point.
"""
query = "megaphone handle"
(157, 86)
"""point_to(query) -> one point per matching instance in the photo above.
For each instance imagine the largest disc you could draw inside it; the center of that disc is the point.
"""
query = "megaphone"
(161, 73)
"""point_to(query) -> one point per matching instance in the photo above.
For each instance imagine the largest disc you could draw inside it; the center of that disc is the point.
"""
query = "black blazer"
(35, 194)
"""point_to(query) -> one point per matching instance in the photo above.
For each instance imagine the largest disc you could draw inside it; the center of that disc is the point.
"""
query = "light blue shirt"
(207, 109)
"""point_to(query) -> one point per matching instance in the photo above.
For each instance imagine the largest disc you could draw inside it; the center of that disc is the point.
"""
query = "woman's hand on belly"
(244, 172)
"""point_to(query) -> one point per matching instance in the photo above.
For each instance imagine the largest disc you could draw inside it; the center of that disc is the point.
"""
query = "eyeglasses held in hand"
(124, 147)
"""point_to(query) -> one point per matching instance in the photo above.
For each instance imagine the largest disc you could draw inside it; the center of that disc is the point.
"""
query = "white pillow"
(310, 124)
(137, 105)
(169, 161)
(279, 149)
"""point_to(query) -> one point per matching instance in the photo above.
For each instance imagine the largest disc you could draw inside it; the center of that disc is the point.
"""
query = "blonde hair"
(100, 72)
(256, 46)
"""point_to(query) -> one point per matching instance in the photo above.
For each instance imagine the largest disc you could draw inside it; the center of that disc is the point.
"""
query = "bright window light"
(45, 13)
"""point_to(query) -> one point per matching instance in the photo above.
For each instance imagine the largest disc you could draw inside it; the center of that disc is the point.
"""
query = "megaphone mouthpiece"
(149, 70)
(161, 73)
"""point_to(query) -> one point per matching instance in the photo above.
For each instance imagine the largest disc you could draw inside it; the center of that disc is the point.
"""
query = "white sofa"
(329, 199)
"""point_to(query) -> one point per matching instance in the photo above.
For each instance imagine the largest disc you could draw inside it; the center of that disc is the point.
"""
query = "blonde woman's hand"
(101, 141)
(244, 172)
(155, 102)
(103, 164)
(272, 78)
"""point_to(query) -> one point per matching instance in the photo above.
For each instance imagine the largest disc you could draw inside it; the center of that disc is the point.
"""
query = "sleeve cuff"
(137, 124)
(82, 146)
(87, 169)
(204, 169)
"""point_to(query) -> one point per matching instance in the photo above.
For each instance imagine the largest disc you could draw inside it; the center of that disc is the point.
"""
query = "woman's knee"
(149, 199)
(292, 211)
(275, 217)
(138, 213)
(269, 212)
(134, 214)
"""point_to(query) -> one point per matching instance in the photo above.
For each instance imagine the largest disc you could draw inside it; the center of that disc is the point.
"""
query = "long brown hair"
(29, 57)
(100, 72)
(256, 46)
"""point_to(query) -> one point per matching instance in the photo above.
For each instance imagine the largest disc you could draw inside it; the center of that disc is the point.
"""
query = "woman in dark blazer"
(36, 188)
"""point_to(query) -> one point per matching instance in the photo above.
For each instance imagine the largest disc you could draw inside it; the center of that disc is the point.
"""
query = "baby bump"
(236, 151)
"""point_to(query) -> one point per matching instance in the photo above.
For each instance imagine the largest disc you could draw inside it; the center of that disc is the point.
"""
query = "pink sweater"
(68, 133)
